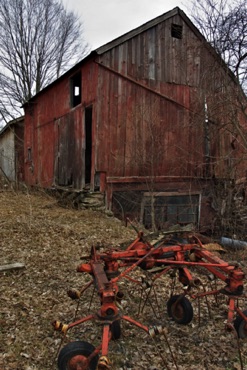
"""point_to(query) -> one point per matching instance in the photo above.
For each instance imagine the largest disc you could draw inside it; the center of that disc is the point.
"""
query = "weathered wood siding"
(54, 132)
(144, 119)
(7, 155)
(11, 151)
(163, 106)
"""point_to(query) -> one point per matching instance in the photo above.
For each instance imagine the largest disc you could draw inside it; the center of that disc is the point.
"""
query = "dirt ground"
(49, 240)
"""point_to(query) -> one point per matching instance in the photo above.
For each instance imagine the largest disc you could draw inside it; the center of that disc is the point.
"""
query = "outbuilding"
(11, 152)
(147, 120)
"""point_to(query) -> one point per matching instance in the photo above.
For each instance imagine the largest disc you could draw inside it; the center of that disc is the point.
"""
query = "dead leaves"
(49, 240)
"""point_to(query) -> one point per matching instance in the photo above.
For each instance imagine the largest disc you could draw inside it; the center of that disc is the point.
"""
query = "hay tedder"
(164, 257)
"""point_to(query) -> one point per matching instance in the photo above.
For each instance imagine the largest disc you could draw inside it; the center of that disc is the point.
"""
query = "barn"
(149, 120)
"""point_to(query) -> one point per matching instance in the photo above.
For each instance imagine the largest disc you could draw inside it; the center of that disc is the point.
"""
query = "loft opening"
(177, 31)
(75, 90)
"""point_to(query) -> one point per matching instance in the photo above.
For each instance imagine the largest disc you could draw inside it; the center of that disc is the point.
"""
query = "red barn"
(147, 119)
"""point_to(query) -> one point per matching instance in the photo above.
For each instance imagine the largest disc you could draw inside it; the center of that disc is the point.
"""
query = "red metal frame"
(109, 267)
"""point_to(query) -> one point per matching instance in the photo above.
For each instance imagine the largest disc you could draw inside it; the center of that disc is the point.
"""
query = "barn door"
(73, 163)
(65, 151)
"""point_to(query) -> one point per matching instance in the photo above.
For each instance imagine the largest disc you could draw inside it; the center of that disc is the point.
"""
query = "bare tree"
(224, 25)
(39, 40)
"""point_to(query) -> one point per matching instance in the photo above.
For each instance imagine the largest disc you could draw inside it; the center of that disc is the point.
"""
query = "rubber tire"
(185, 310)
(239, 326)
(73, 349)
(115, 328)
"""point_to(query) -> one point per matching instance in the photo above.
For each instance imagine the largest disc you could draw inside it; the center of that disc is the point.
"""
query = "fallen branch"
(12, 266)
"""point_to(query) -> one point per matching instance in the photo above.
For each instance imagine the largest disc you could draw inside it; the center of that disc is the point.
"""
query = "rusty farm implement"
(185, 260)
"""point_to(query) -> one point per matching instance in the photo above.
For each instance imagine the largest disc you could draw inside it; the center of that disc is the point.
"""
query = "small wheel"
(240, 326)
(115, 328)
(180, 309)
(74, 356)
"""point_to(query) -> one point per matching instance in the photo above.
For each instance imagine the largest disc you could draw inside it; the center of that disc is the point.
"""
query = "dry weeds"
(50, 240)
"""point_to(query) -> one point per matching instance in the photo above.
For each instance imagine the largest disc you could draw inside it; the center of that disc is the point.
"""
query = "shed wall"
(7, 155)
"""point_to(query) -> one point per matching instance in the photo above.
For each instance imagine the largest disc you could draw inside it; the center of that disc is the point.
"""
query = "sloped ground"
(50, 240)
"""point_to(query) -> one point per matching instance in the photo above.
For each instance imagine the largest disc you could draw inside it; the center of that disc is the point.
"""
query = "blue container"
(228, 242)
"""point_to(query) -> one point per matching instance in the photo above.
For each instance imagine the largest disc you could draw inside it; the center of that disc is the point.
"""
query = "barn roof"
(127, 36)
(119, 40)
(11, 124)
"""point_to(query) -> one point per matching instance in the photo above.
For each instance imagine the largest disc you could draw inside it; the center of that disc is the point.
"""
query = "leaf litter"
(50, 240)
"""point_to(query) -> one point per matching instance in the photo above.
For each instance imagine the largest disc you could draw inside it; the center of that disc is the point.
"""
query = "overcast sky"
(104, 20)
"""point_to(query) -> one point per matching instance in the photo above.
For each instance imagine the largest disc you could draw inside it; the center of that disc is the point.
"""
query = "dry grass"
(50, 240)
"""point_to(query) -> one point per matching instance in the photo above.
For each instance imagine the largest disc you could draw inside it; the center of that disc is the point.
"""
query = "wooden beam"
(143, 86)
(12, 266)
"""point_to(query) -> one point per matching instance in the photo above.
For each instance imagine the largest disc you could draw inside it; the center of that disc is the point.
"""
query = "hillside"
(50, 240)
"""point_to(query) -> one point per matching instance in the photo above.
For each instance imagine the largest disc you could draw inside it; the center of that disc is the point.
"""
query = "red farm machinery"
(183, 260)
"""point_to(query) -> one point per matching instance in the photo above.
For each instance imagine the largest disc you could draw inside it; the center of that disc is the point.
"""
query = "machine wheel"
(181, 311)
(74, 356)
(116, 329)
(241, 326)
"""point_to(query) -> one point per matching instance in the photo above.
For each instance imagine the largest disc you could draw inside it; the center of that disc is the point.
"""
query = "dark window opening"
(75, 90)
(172, 209)
(177, 31)
(88, 151)
(29, 154)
